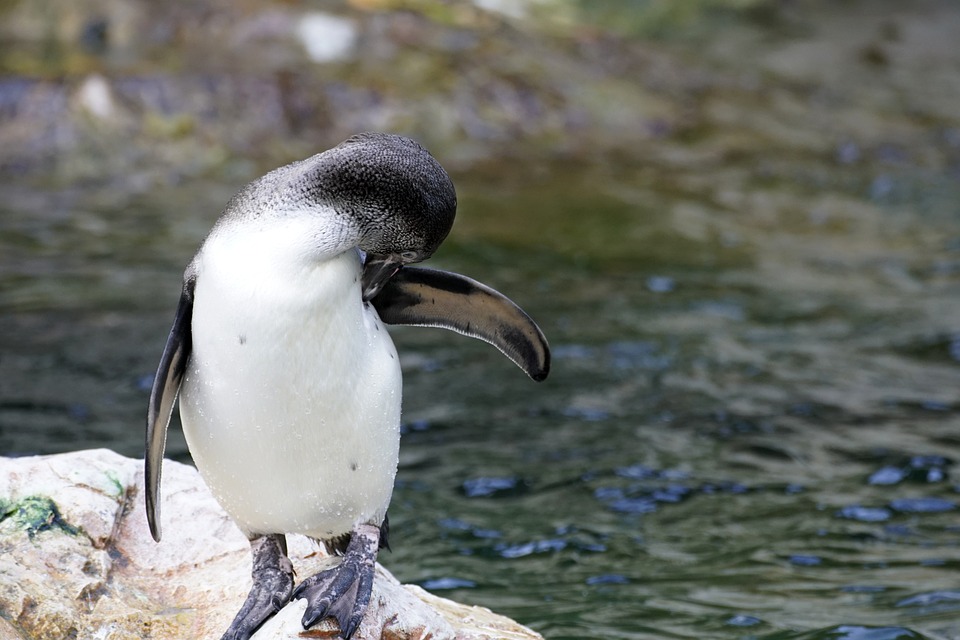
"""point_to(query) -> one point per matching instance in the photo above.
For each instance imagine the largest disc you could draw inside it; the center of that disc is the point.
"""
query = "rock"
(95, 97)
(77, 561)
(327, 37)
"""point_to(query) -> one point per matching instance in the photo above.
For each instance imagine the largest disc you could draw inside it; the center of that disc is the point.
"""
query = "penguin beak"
(377, 269)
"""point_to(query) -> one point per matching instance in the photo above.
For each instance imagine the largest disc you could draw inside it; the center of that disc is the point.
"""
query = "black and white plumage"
(289, 384)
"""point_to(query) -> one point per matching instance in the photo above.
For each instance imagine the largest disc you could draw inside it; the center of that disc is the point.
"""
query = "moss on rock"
(34, 514)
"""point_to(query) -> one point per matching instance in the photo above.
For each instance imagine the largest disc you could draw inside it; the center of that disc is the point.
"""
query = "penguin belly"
(290, 403)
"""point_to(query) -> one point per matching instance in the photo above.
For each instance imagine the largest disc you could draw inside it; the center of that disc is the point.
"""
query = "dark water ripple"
(851, 632)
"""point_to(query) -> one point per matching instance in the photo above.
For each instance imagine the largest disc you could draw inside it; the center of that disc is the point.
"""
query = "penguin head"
(399, 197)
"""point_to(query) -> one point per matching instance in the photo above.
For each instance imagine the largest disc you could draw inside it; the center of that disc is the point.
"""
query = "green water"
(749, 429)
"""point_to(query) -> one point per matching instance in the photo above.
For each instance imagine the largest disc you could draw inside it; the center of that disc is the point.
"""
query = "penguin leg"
(343, 592)
(272, 585)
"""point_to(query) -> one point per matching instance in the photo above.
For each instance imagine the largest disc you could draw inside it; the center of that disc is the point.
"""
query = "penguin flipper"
(434, 298)
(163, 395)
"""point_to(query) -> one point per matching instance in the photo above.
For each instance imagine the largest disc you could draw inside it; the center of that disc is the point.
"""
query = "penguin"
(288, 383)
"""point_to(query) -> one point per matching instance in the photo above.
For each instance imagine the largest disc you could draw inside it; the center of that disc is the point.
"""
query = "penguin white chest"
(291, 399)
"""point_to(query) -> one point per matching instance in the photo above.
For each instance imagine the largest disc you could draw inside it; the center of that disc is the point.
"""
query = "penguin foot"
(272, 585)
(343, 592)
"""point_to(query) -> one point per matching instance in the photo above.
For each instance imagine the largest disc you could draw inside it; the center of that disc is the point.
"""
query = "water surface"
(749, 430)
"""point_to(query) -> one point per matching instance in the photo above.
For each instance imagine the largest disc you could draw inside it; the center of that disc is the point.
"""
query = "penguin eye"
(409, 256)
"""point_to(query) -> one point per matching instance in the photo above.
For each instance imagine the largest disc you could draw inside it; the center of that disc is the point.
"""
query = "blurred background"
(737, 221)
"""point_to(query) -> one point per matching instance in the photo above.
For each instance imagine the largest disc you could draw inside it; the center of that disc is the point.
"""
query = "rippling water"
(749, 431)
(762, 447)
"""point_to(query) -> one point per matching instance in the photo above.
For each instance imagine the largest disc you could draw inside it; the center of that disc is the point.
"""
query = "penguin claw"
(343, 592)
(272, 586)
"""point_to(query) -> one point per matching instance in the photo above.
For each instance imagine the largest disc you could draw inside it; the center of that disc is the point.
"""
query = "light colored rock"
(96, 98)
(327, 37)
(77, 560)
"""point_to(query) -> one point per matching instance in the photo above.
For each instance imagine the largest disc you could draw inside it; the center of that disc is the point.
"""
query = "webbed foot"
(272, 585)
(343, 592)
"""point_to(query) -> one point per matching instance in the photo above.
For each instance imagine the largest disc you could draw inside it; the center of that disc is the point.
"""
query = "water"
(748, 452)
(751, 426)
(738, 438)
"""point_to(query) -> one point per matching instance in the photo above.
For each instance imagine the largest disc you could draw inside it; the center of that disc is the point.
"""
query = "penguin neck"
(277, 248)
(304, 231)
